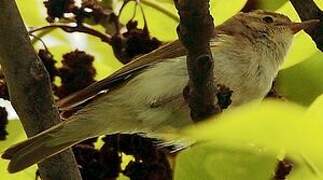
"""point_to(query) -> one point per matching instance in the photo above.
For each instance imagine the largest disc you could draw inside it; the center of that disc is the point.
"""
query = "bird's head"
(270, 33)
(272, 26)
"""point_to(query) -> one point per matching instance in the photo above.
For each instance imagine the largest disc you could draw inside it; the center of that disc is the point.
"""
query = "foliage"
(245, 143)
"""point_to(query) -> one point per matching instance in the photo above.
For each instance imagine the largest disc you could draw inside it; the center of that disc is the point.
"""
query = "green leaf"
(33, 12)
(256, 123)
(212, 160)
(262, 130)
(164, 28)
(303, 82)
(222, 10)
(270, 5)
(310, 156)
(160, 25)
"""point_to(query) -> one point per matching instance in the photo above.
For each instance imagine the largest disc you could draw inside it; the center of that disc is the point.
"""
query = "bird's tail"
(38, 148)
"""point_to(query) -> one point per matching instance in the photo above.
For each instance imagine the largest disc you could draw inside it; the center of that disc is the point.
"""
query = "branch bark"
(77, 28)
(195, 31)
(29, 88)
(307, 9)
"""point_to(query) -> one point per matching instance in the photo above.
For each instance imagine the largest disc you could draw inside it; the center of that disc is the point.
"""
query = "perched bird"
(146, 95)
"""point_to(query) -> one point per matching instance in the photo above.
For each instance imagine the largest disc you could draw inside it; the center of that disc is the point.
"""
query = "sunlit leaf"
(303, 82)
(270, 5)
(164, 27)
(315, 109)
(211, 160)
(253, 123)
(277, 129)
(160, 26)
(222, 10)
(33, 12)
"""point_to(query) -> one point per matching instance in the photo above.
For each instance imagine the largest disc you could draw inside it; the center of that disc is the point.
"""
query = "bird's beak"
(295, 27)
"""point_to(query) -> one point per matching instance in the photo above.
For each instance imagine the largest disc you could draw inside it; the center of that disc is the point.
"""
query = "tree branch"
(307, 9)
(78, 28)
(195, 31)
(29, 88)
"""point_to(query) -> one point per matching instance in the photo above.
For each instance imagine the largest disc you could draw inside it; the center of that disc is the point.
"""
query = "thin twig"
(39, 39)
(41, 34)
(76, 28)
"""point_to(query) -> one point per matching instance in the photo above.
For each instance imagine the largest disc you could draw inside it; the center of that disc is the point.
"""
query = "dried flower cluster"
(105, 163)
(133, 42)
(67, 9)
(127, 41)
(77, 73)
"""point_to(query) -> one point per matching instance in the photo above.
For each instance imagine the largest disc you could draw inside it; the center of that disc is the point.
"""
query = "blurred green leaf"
(33, 12)
(166, 1)
(254, 123)
(222, 10)
(270, 5)
(303, 82)
(274, 129)
(164, 28)
(160, 25)
(311, 162)
(211, 160)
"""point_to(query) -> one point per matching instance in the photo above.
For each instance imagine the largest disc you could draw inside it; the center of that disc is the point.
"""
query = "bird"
(146, 95)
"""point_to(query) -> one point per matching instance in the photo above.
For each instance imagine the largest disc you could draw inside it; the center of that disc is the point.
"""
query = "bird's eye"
(268, 19)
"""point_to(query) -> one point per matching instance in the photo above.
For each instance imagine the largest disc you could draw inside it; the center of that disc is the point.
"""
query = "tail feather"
(14, 150)
(35, 149)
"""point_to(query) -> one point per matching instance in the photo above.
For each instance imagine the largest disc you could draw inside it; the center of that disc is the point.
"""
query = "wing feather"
(169, 50)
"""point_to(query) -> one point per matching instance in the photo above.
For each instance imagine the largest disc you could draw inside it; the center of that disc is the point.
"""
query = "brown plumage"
(169, 50)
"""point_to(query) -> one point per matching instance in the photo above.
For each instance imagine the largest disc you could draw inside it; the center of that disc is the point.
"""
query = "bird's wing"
(169, 50)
